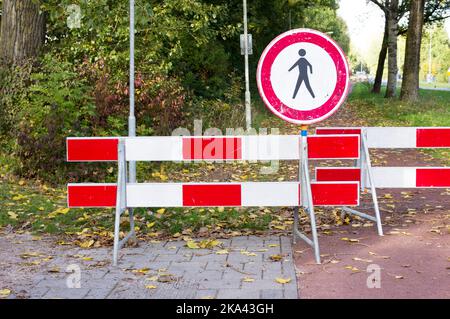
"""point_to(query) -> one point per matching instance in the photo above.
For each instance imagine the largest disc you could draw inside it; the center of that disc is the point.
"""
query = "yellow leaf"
(161, 211)
(352, 268)
(151, 287)
(142, 271)
(275, 257)
(222, 252)
(283, 280)
(12, 215)
(152, 278)
(21, 182)
(150, 225)
(273, 245)
(5, 293)
(220, 209)
(41, 208)
(87, 244)
(361, 259)
(389, 196)
(87, 258)
(54, 270)
(248, 279)
(192, 245)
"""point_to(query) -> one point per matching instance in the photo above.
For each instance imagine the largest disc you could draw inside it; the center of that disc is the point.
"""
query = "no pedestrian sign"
(303, 76)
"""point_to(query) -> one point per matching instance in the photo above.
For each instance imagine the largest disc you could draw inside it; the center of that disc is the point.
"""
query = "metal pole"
(248, 112)
(131, 118)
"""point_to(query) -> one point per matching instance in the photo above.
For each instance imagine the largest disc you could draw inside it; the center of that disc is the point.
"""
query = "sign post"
(303, 78)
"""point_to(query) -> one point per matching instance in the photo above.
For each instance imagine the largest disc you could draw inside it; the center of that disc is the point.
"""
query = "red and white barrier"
(178, 148)
(334, 186)
(268, 194)
(396, 137)
(390, 177)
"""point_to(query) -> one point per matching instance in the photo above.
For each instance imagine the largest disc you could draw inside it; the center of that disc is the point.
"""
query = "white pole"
(248, 112)
(131, 118)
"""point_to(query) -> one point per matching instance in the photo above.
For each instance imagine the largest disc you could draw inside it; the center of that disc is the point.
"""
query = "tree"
(392, 26)
(410, 84)
(22, 31)
(435, 10)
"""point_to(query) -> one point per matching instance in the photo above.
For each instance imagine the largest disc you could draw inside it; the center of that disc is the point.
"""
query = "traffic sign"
(303, 76)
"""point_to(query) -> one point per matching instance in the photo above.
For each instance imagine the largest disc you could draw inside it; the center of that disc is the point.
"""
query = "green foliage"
(57, 104)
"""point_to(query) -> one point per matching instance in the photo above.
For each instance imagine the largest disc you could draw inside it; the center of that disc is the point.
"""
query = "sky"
(365, 23)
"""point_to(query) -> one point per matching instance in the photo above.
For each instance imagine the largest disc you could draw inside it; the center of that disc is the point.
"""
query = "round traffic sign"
(303, 76)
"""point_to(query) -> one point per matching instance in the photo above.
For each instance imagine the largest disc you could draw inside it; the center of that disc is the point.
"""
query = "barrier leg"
(120, 196)
(306, 198)
(372, 185)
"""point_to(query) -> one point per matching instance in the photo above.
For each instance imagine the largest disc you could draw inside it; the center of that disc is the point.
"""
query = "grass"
(432, 109)
(437, 85)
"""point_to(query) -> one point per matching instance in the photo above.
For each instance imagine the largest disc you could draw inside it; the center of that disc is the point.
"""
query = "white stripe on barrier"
(391, 137)
(250, 194)
(390, 177)
(397, 137)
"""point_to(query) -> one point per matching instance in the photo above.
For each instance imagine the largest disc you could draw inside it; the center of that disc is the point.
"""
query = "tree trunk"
(410, 84)
(22, 31)
(381, 60)
(392, 48)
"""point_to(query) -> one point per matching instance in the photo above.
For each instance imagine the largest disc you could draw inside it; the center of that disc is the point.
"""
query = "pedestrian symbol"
(303, 66)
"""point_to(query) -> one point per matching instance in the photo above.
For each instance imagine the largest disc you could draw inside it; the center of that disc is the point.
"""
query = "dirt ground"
(413, 256)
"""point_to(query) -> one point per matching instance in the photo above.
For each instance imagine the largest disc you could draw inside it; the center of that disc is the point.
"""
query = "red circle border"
(268, 95)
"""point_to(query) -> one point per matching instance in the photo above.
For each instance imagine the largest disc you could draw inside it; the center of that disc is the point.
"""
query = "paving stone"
(214, 265)
(272, 294)
(238, 294)
(219, 284)
(98, 293)
(206, 293)
(66, 293)
(199, 273)
(291, 293)
(262, 284)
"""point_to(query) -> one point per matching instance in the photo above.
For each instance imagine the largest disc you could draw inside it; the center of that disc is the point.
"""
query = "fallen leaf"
(5, 293)
(161, 211)
(283, 280)
(361, 259)
(12, 215)
(248, 279)
(222, 252)
(275, 257)
(152, 278)
(151, 287)
(192, 245)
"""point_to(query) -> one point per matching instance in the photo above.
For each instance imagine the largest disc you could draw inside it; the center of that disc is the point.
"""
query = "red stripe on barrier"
(329, 147)
(338, 130)
(429, 137)
(338, 174)
(91, 195)
(211, 195)
(433, 177)
(336, 194)
(212, 148)
(92, 149)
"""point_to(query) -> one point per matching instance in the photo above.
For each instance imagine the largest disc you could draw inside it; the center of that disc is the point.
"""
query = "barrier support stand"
(121, 205)
(367, 178)
(306, 197)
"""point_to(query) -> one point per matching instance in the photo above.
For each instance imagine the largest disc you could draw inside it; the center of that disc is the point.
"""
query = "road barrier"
(123, 195)
(333, 186)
